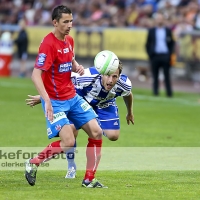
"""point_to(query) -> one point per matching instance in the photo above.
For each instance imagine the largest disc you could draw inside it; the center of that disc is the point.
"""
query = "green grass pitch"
(159, 122)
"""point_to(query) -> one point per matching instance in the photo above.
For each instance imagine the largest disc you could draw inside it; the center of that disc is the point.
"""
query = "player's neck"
(58, 35)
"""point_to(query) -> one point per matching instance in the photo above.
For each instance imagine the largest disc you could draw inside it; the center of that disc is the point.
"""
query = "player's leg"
(70, 156)
(109, 120)
(49, 152)
(59, 127)
(23, 58)
(155, 65)
(112, 135)
(93, 153)
(166, 70)
(86, 119)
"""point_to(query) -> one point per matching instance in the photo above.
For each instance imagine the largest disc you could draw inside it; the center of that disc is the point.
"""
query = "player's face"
(64, 24)
(159, 19)
(109, 81)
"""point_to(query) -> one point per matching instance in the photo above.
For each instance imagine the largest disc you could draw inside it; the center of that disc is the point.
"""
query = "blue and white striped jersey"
(90, 87)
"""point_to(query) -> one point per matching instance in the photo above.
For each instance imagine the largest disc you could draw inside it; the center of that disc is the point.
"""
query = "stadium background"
(117, 25)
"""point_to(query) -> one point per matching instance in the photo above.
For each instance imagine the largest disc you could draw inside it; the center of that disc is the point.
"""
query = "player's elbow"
(36, 74)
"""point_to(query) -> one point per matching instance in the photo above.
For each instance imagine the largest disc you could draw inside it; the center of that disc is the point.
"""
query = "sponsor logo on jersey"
(41, 59)
(105, 105)
(60, 50)
(65, 67)
(58, 116)
(66, 50)
(85, 106)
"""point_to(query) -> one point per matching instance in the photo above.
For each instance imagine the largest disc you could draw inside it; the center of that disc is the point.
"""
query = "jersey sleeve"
(125, 84)
(83, 81)
(45, 57)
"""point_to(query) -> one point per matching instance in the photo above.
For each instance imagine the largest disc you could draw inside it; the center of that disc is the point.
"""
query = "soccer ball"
(106, 62)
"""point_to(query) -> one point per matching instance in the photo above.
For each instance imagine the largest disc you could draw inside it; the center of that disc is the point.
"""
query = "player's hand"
(80, 70)
(33, 100)
(49, 111)
(130, 118)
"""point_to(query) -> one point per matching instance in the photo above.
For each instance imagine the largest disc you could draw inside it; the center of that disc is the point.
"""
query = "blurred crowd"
(180, 15)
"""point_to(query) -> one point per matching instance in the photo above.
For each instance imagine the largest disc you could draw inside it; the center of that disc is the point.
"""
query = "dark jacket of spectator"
(151, 41)
(22, 42)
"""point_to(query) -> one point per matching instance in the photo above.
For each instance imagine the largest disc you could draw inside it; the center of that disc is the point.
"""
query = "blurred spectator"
(197, 20)
(96, 12)
(144, 3)
(104, 13)
(168, 8)
(182, 26)
(159, 47)
(6, 53)
(145, 13)
(162, 4)
(29, 14)
(183, 3)
(132, 14)
(22, 47)
(191, 11)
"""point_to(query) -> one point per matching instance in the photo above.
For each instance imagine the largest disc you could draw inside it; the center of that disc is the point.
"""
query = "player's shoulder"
(92, 71)
(124, 82)
(124, 78)
(69, 39)
(89, 74)
(49, 39)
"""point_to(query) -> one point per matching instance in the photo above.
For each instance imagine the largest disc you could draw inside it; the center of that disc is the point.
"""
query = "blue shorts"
(77, 110)
(108, 116)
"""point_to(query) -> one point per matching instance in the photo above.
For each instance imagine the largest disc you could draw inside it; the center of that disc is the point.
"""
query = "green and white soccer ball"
(106, 62)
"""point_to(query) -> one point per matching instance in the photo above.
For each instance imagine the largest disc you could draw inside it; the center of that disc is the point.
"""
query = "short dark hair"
(57, 12)
(120, 67)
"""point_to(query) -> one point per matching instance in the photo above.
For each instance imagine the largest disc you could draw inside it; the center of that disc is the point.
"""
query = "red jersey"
(55, 60)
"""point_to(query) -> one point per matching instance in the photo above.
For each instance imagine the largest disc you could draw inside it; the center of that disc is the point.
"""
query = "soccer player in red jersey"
(52, 79)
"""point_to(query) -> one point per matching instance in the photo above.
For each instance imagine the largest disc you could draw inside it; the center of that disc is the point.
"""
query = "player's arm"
(128, 100)
(77, 68)
(37, 80)
(33, 100)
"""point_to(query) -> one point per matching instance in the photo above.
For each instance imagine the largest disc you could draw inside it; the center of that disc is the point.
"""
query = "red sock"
(48, 153)
(93, 154)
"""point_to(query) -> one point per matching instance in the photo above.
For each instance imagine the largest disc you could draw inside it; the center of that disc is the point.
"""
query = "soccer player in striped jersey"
(100, 91)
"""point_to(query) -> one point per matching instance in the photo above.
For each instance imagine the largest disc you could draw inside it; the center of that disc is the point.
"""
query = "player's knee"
(69, 142)
(113, 137)
(97, 134)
